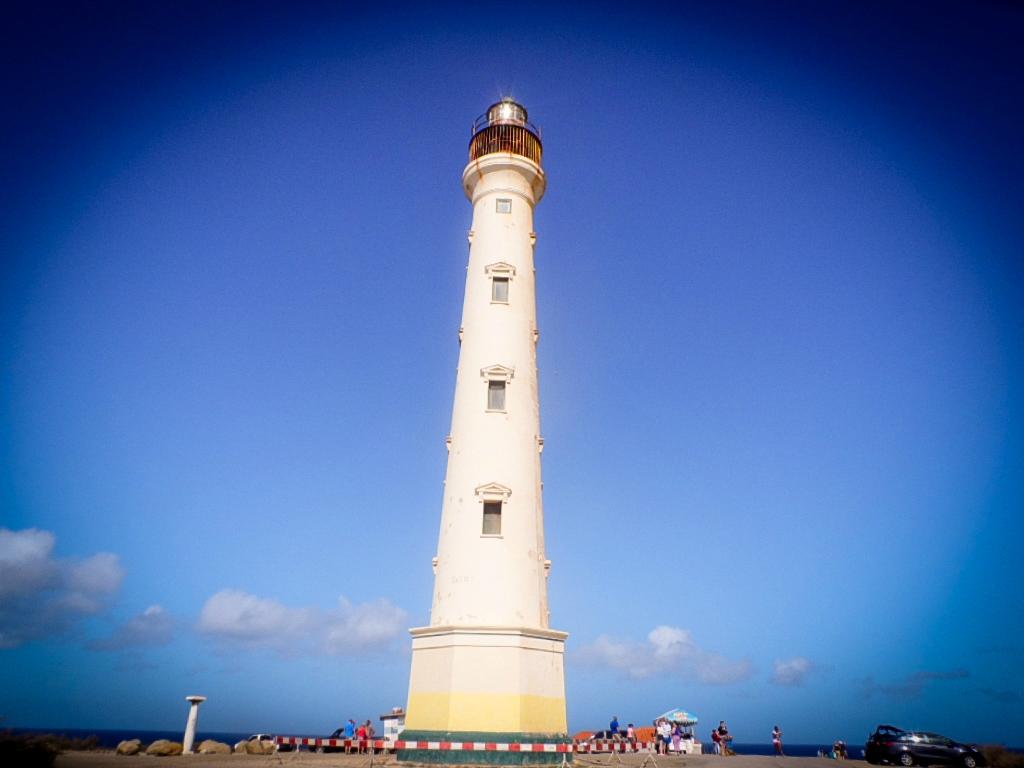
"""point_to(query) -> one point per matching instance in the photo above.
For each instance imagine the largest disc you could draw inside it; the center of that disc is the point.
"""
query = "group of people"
(838, 751)
(721, 737)
(362, 735)
(616, 732)
(670, 737)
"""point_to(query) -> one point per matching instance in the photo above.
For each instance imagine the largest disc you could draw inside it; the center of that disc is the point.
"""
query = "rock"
(130, 747)
(240, 748)
(164, 748)
(211, 747)
(260, 747)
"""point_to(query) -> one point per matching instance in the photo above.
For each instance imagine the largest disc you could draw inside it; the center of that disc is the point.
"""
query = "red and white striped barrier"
(462, 746)
(612, 746)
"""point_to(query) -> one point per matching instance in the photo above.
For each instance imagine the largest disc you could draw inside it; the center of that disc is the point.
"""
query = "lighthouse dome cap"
(508, 110)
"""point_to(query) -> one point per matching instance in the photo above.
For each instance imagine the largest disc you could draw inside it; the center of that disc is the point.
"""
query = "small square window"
(492, 518)
(504, 206)
(499, 289)
(495, 395)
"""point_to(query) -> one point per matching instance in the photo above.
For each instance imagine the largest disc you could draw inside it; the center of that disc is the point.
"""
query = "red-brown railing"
(506, 137)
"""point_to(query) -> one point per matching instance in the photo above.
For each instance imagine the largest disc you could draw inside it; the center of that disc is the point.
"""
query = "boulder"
(130, 747)
(255, 747)
(211, 747)
(164, 748)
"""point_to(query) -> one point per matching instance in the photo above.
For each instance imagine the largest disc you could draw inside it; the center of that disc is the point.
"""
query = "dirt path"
(309, 760)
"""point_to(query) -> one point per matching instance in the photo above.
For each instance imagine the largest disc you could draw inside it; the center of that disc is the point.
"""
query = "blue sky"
(779, 269)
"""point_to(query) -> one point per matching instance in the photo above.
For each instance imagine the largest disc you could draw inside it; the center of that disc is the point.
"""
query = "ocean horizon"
(109, 739)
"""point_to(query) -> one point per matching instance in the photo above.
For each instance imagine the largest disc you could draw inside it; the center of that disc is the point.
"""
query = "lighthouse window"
(495, 395)
(504, 206)
(492, 518)
(499, 289)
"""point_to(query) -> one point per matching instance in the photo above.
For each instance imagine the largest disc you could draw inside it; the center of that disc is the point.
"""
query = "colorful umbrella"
(680, 716)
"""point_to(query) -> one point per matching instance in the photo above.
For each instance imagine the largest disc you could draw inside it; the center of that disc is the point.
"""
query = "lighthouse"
(489, 668)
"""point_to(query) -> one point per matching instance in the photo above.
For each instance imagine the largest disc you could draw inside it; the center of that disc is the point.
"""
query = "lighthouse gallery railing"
(520, 139)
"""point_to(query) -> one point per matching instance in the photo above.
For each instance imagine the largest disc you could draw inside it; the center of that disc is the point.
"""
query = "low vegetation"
(39, 750)
(998, 756)
(25, 750)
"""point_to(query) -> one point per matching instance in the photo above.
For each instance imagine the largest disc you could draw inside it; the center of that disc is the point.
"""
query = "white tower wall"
(482, 579)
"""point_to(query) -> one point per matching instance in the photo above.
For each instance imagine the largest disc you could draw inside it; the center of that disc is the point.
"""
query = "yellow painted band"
(499, 712)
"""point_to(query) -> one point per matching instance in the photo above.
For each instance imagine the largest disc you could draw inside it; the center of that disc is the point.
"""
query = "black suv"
(889, 744)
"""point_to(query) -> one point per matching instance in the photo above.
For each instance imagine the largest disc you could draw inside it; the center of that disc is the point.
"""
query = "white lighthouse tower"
(489, 667)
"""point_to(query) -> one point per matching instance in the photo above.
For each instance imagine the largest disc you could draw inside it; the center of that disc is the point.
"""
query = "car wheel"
(906, 759)
(970, 761)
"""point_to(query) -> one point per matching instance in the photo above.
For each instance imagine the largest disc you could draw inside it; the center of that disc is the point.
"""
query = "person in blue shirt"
(350, 733)
(613, 727)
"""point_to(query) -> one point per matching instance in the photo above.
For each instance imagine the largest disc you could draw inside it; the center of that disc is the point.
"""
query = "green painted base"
(474, 757)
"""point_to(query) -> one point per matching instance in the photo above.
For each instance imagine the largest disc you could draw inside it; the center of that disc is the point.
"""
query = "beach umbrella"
(680, 716)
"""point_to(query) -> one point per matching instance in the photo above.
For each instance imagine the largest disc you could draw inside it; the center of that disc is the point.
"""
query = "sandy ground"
(309, 760)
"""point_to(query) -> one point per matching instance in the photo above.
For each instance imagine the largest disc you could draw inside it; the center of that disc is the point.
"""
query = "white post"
(190, 726)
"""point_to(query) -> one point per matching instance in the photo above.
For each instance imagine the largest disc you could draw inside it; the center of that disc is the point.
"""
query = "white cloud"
(100, 573)
(235, 617)
(668, 650)
(41, 595)
(792, 672)
(356, 627)
(153, 627)
(625, 656)
(26, 562)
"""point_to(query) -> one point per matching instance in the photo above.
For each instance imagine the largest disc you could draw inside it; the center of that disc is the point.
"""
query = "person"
(613, 728)
(370, 733)
(664, 736)
(725, 738)
(350, 734)
(631, 735)
(677, 735)
(716, 737)
(777, 740)
(361, 739)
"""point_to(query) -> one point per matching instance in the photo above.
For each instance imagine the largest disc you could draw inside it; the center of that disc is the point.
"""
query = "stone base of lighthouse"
(486, 684)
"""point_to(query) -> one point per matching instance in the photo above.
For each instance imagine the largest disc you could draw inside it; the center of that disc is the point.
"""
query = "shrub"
(998, 756)
(26, 750)
(63, 743)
